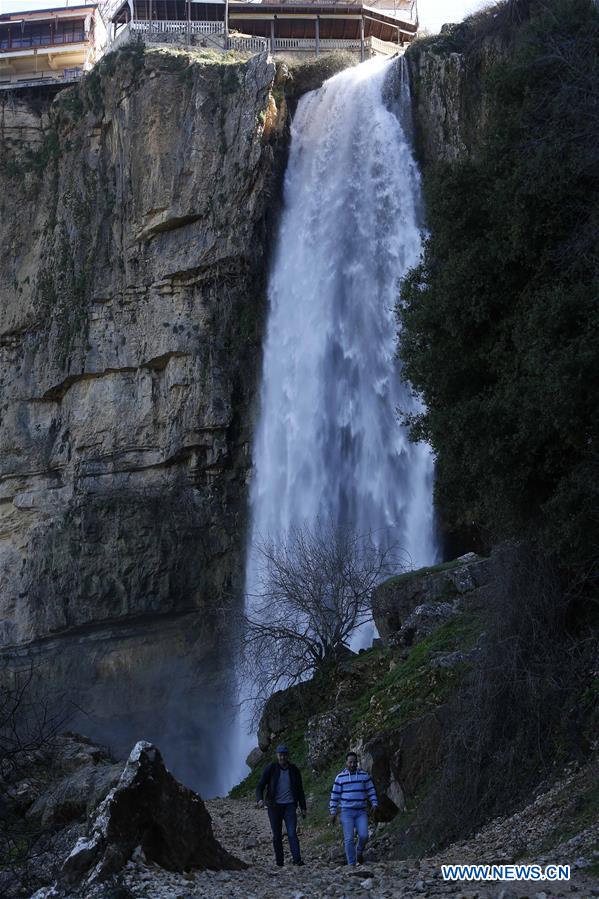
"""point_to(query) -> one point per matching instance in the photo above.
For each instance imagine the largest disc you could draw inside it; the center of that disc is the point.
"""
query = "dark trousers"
(277, 814)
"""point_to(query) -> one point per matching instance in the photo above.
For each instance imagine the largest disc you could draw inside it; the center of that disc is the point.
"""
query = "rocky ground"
(244, 830)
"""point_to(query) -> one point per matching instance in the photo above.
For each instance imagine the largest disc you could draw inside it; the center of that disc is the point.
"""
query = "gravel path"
(245, 831)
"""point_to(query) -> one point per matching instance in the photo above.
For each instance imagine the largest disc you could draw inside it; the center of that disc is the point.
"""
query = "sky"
(433, 13)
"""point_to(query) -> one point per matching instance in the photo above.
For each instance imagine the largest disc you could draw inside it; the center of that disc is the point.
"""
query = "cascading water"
(328, 443)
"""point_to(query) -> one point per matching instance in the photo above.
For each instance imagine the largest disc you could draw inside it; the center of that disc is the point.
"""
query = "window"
(70, 32)
(34, 35)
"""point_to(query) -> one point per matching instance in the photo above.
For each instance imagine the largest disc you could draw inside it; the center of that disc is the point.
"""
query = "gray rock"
(326, 737)
(147, 808)
(408, 607)
(423, 620)
(75, 794)
(255, 757)
(282, 710)
(451, 659)
(131, 308)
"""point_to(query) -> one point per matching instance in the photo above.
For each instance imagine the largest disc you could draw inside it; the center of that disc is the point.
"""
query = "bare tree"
(313, 592)
(29, 722)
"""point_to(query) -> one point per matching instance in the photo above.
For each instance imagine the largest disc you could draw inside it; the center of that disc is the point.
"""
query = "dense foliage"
(500, 321)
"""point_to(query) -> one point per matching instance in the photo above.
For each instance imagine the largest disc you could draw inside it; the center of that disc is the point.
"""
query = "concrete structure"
(49, 46)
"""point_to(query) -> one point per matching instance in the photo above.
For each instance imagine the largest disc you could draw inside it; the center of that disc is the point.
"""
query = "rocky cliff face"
(133, 216)
(447, 79)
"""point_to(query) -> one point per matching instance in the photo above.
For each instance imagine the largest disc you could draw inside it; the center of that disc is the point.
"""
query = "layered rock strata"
(133, 216)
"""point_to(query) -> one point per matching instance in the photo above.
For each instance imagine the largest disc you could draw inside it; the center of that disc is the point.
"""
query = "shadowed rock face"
(150, 809)
(133, 220)
(409, 607)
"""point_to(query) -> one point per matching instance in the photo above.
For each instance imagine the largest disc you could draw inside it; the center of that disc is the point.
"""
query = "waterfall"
(328, 443)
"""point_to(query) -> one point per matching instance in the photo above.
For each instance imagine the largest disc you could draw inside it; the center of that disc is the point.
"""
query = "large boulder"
(425, 619)
(407, 608)
(402, 760)
(150, 809)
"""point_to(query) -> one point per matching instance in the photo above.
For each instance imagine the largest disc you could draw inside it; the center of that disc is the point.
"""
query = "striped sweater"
(350, 791)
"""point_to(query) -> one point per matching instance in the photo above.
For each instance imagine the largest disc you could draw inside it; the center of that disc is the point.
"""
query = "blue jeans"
(351, 820)
(287, 813)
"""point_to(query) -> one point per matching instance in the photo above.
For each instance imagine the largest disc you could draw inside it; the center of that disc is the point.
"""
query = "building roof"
(406, 10)
(33, 15)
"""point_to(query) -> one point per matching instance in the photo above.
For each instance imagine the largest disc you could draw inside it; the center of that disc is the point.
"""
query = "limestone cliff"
(133, 216)
(447, 80)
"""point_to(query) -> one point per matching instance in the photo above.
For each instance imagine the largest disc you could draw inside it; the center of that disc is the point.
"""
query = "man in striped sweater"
(352, 791)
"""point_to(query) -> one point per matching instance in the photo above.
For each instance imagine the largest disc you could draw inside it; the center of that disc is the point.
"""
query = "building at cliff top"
(280, 26)
(56, 46)
(49, 46)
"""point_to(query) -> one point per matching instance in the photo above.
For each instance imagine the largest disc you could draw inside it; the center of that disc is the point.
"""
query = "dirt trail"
(245, 831)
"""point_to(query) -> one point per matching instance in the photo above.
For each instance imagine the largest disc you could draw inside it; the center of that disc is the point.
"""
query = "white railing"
(179, 26)
(259, 44)
(407, 14)
(383, 48)
(166, 31)
(308, 2)
(248, 43)
(405, 8)
(307, 43)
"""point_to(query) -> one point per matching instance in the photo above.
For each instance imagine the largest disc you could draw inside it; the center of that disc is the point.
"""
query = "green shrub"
(500, 321)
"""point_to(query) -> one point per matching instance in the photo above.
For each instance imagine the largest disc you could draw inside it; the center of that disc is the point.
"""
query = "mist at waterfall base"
(328, 442)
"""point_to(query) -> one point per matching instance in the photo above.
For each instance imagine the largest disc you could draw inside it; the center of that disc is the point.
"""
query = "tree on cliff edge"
(313, 593)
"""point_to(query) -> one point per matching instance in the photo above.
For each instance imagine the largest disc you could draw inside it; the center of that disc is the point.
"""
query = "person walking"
(352, 791)
(284, 793)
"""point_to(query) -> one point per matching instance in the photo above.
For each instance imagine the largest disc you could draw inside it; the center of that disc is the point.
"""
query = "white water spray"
(328, 443)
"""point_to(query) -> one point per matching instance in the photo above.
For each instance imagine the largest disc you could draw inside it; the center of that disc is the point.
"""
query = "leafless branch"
(313, 592)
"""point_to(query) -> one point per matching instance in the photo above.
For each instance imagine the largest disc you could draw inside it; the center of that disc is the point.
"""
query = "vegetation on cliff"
(370, 695)
(499, 335)
(500, 320)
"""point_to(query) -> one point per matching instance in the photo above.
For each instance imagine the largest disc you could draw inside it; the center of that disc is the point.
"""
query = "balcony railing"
(164, 26)
(109, 7)
(247, 43)
(26, 42)
(165, 30)
(308, 43)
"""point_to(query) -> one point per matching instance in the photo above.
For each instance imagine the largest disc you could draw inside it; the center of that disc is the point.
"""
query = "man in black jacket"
(284, 792)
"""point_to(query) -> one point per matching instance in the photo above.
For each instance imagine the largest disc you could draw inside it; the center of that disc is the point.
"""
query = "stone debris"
(323, 875)
(244, 832)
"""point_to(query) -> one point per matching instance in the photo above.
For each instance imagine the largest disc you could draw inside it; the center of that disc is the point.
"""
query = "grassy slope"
(390, 692)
